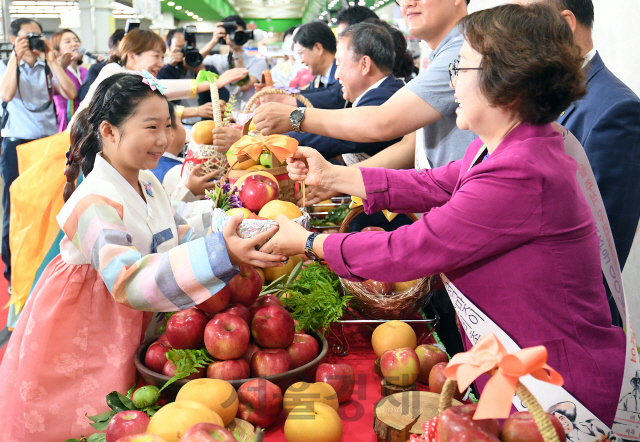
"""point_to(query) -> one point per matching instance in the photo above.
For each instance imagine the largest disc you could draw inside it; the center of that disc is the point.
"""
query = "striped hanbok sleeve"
(174, 280)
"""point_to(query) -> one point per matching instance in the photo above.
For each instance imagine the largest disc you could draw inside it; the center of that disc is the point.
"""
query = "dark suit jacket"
(327, 97)
(169, 72)
(607, 124)
(92, 73)
(331, 147)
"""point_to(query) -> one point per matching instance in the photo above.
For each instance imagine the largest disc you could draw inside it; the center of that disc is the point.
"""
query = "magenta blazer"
(515, 234)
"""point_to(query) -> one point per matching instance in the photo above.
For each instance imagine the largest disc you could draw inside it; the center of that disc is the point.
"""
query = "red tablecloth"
(356, 414)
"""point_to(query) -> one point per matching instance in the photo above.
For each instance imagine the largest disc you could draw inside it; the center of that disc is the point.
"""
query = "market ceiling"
(262, 9)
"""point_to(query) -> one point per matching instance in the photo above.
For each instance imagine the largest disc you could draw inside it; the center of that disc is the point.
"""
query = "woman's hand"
(198, 184)
(314, 195)
(224, 137)
(309, 165)
(290, 239)
(242, 252)
(230, 76)
(65, 59)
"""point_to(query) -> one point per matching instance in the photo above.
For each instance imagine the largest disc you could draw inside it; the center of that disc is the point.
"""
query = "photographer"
(181, 67)
(236, 58)
(27, 89)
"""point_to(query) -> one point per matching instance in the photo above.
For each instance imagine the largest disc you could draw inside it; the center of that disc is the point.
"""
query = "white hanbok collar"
(104, 165)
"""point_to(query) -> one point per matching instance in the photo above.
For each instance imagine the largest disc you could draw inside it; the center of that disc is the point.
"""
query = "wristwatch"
(308, 248)
(296, 118)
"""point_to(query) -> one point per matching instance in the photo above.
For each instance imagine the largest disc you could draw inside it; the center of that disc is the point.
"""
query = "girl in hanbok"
(36, 195)
(125, 253)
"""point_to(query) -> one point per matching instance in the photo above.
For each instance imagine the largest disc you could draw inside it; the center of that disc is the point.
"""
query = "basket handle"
(541, 419)
(344, 228)
(274, 91)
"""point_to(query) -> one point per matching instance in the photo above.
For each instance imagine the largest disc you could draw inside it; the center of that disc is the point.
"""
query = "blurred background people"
(66, 44)
(95, 68)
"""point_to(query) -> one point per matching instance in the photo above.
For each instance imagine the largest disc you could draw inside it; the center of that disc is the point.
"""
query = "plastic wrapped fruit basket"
(375, 300)
(251, 227)
(280, 379)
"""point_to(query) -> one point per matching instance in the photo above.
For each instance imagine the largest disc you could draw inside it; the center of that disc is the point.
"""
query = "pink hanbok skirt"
(73, 345)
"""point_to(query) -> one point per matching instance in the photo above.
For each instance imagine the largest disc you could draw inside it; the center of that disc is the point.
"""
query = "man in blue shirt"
(29, 112)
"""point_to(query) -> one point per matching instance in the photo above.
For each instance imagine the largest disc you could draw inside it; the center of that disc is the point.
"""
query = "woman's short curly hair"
(529, 61)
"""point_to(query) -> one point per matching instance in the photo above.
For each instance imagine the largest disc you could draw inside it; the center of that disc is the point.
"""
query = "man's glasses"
(454, 70)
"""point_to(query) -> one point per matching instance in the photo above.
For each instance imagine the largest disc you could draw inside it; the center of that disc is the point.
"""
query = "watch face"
(296, 116)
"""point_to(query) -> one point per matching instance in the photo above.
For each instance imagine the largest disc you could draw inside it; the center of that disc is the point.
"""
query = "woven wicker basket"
(539, 416)
(210, 159)
(397, 305)
(287, 186)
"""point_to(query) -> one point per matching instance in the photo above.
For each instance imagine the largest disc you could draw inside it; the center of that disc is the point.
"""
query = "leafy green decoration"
(97, 437)
(312, 296)
(187, 362)
(334, 217)
(228, 108)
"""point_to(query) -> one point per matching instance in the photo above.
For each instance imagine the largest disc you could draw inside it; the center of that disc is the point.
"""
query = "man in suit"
(365, 61)
(607, 124)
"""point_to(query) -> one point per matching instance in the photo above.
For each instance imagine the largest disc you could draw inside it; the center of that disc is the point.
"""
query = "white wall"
(616, 35)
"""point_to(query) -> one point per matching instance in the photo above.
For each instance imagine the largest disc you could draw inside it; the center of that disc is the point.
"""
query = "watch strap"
(308, 248)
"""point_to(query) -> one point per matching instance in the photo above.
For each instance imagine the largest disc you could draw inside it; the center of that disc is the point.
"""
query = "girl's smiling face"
(140, 142)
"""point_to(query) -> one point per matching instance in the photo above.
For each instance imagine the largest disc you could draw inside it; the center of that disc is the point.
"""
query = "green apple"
(265, 160)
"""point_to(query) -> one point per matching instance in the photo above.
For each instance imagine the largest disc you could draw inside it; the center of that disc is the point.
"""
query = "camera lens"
(192, 57)
(239, 38)
(35, 43)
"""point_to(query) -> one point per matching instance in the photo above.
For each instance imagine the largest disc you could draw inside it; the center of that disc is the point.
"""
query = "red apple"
(226, 336)
(373, 229)
(473, 435)
(229, 370)
(520, 427)
(251, 349)
(156, 356)
(185, 329)
(169, 369)
(381, 288)
(240, 311)
(126, 423)
(456, 419)
(340, 376)
(437, 380)
(429, 356)
(163, 339)
(206, 432)
(264, 301)
(142, 437)
(256, 191)
(260, 402)
(217, 302)
(269, 362)
(302, 350)
(245, 286)
(273, 327)
(400, 366)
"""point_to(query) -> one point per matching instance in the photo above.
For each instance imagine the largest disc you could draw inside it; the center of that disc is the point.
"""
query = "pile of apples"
(456, 424)
(248, 335)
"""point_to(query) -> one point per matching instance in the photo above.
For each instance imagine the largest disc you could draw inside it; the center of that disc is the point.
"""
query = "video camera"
(35, 42)
(237, 37)
(192, 56)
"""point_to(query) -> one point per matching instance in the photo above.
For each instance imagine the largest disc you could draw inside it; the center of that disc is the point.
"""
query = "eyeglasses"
(454, 70)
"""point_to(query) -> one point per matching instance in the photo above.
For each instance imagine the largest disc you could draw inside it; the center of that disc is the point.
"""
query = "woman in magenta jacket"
(507, 224)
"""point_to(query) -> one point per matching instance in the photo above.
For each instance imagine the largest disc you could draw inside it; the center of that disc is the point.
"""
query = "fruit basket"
(376, 300)
(158, 379)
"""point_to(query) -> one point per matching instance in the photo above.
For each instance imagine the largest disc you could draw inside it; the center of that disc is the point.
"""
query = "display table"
(356, 414)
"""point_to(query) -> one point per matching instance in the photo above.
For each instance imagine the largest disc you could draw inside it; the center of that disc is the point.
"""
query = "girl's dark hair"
(55, 38)
(403, 64)
(529, 61)
(137, 42)
(115, 101)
